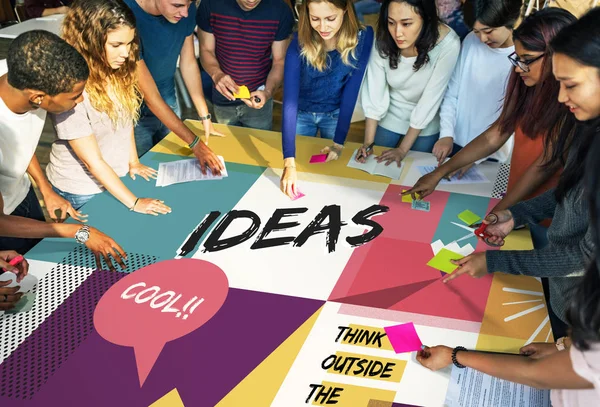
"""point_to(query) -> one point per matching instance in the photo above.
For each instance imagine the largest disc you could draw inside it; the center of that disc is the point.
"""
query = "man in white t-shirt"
(475, 95)
(42, 73)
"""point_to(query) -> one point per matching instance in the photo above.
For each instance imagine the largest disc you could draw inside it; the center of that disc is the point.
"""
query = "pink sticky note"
(298, 196)
(318, 158)
(404, 338)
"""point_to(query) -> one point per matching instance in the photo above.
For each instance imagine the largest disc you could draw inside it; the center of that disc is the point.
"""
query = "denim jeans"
(149, 130)
(245, 116)
(28, 208)
(363, 7)
(309, 123)
(388, 138)
(77, 201)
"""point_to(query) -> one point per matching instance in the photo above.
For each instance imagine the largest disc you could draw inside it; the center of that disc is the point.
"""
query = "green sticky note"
(441, 261)
(468, 217)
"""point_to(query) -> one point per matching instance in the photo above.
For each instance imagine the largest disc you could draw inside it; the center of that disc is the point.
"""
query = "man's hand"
(442, 149)
(207, 159)
(258, 98)
(55, 202)
(8, 296)
(226, 85)
(20, 269)
(102, 245)
(475, 265)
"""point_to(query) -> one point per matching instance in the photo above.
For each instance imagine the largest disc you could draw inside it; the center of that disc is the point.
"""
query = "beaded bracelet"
(454, 352)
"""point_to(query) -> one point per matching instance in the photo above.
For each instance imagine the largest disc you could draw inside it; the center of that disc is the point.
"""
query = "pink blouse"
(587, 365)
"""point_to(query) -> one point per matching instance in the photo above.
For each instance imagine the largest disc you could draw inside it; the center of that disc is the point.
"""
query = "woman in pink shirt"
(573, 371)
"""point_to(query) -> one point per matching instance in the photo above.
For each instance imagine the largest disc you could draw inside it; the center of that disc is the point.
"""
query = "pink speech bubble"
(160, 303)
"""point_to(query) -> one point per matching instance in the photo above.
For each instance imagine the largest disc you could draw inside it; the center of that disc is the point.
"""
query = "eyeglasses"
(523, 65)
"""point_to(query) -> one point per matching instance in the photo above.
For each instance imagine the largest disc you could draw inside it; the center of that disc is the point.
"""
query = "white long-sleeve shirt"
(475, 94)
(401, 98)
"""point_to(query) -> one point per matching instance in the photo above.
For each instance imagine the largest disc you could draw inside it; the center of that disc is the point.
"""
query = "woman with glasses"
(532, 111)
(572, 364)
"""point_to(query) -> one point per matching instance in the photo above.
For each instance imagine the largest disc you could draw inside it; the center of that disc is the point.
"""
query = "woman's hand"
(151, 206)
(363, 153)
(500, 224)
(333, 152)
(442, 149)
(137, 168)
(209, 129)
(424, 186)
(394, 155)
(289, 178)
(436, 358)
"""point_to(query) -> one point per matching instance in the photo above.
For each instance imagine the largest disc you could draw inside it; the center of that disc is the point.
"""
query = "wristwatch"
(83, 234)
(560, 344)
(207, 117)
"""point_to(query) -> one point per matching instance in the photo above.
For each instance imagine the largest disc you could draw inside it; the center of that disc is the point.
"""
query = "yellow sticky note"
(406, 198)
(468, 217)
(441, 261)
(243, 93)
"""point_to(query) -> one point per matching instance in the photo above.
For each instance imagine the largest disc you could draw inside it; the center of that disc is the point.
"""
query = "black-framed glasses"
(523, 65)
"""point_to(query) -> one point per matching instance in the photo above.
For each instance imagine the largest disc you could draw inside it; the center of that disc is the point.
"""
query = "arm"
(163, 112)
(56, 10)
(208, 57)
(375, 95)
(275, 77)
(291, 95)
(35, 9)
(350, 91)
(53, 201)
(531, 180)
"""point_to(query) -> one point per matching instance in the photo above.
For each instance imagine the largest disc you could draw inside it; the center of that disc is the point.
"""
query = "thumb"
(5, 283)
(460, 262)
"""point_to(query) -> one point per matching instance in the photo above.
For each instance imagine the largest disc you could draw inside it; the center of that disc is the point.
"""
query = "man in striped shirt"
(244, 42)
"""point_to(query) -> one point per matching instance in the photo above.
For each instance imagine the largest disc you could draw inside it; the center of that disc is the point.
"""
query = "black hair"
(426, 41)
(497, 13)
(583, 314)
(42, 61)
(581, 42)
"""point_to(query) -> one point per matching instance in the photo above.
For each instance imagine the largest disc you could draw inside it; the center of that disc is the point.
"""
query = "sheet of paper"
(473, 176)
(437, 246)
(176, 172)
(466, 250)
(468, 387)
(368, 166)
(441, 261)
(391, 171)
(468, 217)
(404, 338)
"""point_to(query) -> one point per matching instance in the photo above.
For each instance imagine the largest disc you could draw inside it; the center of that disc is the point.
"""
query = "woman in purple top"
(324, 68)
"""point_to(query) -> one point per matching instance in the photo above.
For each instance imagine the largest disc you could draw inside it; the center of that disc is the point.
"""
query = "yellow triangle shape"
(171, 399)
(260, 387)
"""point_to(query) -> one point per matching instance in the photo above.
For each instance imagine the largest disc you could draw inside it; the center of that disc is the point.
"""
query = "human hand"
(500, 224)
(209, 129)
(258, 98)
(538, 350)
(442, 149)
(393, 155)
(225, 85)
(424, 186)
(8, 296)
(207, 158)
(289, 179)
(363, 153)
(333, 152)
(56, 202)
(137, 168)
(460, 172)
(475, 265)
(20, 269)
(151, 206)
(104, 246)
(436, 358)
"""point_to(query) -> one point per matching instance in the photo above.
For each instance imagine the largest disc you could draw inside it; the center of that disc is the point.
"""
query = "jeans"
(245, 116)
(28, 208)
(363, 7)
(309, 123)
(77, 201)
(149, 130)
(388, 138)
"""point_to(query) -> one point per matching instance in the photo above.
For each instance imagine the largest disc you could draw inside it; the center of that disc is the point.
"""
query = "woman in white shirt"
(475, 94)
(406, 78)
(95, 143)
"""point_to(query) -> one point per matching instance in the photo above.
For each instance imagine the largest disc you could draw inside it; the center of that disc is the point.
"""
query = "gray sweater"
(568, 253)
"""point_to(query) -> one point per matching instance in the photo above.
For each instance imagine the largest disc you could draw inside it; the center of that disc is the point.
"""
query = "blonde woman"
(95, 144)
(324, 67)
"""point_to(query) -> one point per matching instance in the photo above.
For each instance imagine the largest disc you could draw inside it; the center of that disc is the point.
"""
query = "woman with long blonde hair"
(95, 144)
(324, 67)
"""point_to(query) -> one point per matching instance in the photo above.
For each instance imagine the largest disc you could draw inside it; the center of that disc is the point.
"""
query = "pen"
(367, 150)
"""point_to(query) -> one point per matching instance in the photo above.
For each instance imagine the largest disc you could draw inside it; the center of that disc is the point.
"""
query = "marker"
(367, 151)
(16, 261)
